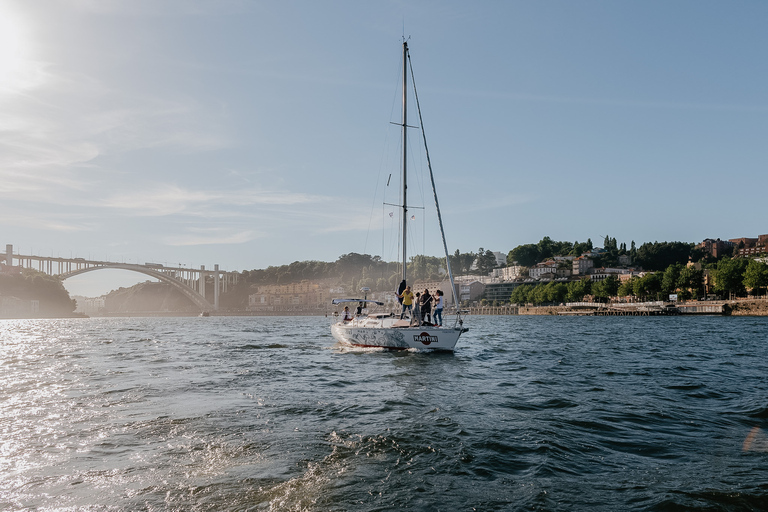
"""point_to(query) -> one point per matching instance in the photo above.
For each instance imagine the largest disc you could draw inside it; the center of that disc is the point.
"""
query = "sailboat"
(385, 330)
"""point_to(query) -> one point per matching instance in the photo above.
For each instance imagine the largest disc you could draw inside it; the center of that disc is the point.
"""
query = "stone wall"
(749, 307)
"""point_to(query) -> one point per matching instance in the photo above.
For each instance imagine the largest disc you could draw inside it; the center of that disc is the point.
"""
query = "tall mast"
(405, 139)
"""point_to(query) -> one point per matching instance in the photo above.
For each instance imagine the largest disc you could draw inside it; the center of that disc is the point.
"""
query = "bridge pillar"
(9, 254)
(202, 280)
(216, 287)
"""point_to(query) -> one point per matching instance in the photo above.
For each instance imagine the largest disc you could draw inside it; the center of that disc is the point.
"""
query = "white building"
(508, 273)
(470, 291)
(581, 265)
(545, 268)
(598, 274)
(90, 305)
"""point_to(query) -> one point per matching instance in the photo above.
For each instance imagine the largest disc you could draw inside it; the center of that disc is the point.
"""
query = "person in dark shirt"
(426, 306)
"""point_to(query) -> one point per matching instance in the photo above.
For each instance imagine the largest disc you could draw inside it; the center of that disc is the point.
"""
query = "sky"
(257, 133)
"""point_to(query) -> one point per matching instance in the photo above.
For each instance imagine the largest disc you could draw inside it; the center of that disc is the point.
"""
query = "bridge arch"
(191, 294)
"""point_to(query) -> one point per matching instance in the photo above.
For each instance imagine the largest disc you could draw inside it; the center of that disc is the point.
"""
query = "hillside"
(148, 297)
(19, 291)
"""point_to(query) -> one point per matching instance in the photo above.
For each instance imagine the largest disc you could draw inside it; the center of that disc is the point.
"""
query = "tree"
(669, 282)
(467, 259)
(461, 262)
(599, 291)
(526, 255)
(729, 276)
(520, 294)
(756, 276)
(660, 255)
(545, 247)
(578, 289)
(486, 261)
(648, 287)
(561, 248)
(691, 282)
(612, 284)
(424, 268)
(606, 288)
(625, 289)
(556, 292)
(610, 244)
(580, 248)
(538, 295)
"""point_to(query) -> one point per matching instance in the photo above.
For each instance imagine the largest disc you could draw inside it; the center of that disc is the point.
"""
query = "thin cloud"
(49, 221)
(173, 8)
(52, 135)
(166, 199)
(333, 223)
(211, 236)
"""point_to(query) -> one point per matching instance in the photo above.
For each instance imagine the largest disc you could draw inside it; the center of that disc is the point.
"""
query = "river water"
(254, 413)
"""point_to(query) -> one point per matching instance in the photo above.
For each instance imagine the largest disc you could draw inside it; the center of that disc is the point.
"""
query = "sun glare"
(16, 70)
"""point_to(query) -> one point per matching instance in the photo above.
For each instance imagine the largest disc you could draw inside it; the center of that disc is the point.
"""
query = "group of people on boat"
(419, 307)
(420, 304)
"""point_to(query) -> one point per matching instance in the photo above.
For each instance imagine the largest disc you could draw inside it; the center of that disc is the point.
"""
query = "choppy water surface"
(530, 413)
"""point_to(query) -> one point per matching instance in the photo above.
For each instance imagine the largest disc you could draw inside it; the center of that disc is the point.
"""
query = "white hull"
(398, 338)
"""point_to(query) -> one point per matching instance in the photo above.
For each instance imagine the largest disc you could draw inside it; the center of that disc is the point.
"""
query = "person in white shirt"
(439, 309)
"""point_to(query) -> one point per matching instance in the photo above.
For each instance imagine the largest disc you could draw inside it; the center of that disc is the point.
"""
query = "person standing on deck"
(426, 306)
(407, 297)
(416, 318)
(439, 308)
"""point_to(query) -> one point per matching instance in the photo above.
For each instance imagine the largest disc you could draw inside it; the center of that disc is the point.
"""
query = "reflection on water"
(269, 414)
(756, 441)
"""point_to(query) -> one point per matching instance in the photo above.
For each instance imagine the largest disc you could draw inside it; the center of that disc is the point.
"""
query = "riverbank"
(748, 307)
(737, 307)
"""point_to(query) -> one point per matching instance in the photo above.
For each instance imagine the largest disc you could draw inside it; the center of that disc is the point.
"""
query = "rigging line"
(382, 165)
(390, 254)
(419, 164)
(434, 190)
(424, 233)
(383, 220)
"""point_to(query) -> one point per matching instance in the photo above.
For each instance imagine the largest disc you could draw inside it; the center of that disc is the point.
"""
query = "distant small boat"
(385, 330)
(205, 313)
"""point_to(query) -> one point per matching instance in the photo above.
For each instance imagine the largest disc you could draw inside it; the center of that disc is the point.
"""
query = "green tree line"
(731, 277)
(558, 292)
(650, 255)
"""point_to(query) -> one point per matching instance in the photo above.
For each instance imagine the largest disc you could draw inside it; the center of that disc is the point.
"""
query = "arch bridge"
(190, 282)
